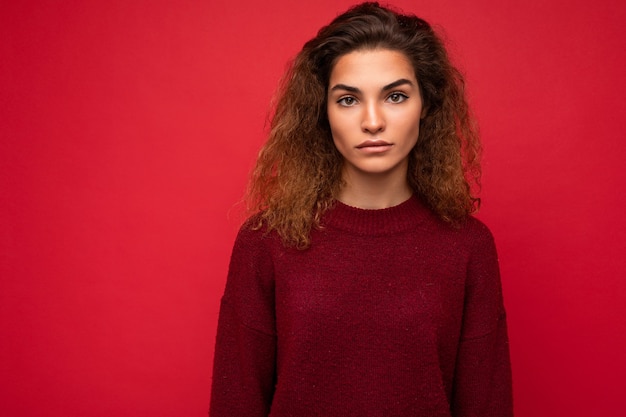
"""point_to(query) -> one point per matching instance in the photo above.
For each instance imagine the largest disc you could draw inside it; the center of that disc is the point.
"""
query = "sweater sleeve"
(245, 348)
(482, 383)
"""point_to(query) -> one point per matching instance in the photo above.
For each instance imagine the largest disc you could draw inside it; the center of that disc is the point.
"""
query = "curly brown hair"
(298, 171)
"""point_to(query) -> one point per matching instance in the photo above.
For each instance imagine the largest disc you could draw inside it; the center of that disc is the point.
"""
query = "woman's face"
(374, 110)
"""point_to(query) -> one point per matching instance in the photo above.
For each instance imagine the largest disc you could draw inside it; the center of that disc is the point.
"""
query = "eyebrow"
(401, 81)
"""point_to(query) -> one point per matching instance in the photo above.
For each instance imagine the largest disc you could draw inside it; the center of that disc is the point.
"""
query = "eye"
(347, 101)
(397, 97)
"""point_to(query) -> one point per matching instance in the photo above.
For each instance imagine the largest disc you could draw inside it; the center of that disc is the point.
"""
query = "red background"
(128, 130)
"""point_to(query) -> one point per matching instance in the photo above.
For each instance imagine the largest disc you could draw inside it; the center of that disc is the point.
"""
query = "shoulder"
(255, 242)
(251, 231)
(251, 238)
(251, 261)
(478, 240)
(469, 233)
(477, 231)
(471, 240)
(483, 266)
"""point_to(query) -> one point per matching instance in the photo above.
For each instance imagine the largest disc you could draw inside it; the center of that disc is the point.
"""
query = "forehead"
(371, 66)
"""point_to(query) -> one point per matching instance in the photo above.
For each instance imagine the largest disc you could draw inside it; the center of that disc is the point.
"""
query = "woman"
(361, 285)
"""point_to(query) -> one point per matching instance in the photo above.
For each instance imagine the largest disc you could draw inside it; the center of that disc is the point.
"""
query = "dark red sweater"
(389, 313)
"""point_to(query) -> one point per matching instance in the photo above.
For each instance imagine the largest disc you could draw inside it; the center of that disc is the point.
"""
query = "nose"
(373, 118)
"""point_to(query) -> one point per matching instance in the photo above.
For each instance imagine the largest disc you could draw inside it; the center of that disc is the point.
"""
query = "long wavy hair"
(298, 173)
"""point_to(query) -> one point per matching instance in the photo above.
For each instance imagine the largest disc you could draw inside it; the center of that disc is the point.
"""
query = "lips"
(374, 147)
(373, 144)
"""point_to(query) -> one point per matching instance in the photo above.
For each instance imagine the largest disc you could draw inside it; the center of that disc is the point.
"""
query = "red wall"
(127, 131)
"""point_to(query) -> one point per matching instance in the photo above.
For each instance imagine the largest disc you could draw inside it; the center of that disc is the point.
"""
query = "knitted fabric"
(389, 312)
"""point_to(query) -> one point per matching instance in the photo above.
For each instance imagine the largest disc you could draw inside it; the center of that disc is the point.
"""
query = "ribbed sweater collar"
(377, 222)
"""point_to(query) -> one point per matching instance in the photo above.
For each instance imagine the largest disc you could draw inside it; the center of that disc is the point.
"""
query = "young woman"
(361, 285)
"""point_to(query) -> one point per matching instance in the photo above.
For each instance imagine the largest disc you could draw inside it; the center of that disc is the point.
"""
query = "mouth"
(374, 146)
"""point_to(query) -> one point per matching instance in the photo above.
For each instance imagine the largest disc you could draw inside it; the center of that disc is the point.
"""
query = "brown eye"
(397, 97)
(347, 101)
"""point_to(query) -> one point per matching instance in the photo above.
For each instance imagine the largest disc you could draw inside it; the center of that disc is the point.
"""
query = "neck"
(374, 191)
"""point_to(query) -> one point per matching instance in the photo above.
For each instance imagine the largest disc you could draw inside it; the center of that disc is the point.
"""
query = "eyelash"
(400, 97)
(342, 101)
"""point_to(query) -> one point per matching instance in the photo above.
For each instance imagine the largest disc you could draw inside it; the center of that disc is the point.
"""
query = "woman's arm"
(482, 384)
(245, 349)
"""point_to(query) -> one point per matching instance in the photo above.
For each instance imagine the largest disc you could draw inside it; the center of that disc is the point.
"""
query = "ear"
(424, 112)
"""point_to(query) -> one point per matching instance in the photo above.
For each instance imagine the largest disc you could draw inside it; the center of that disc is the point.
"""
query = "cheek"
(337, 126)
(331, 120)
(406, 124)
(340, 140)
